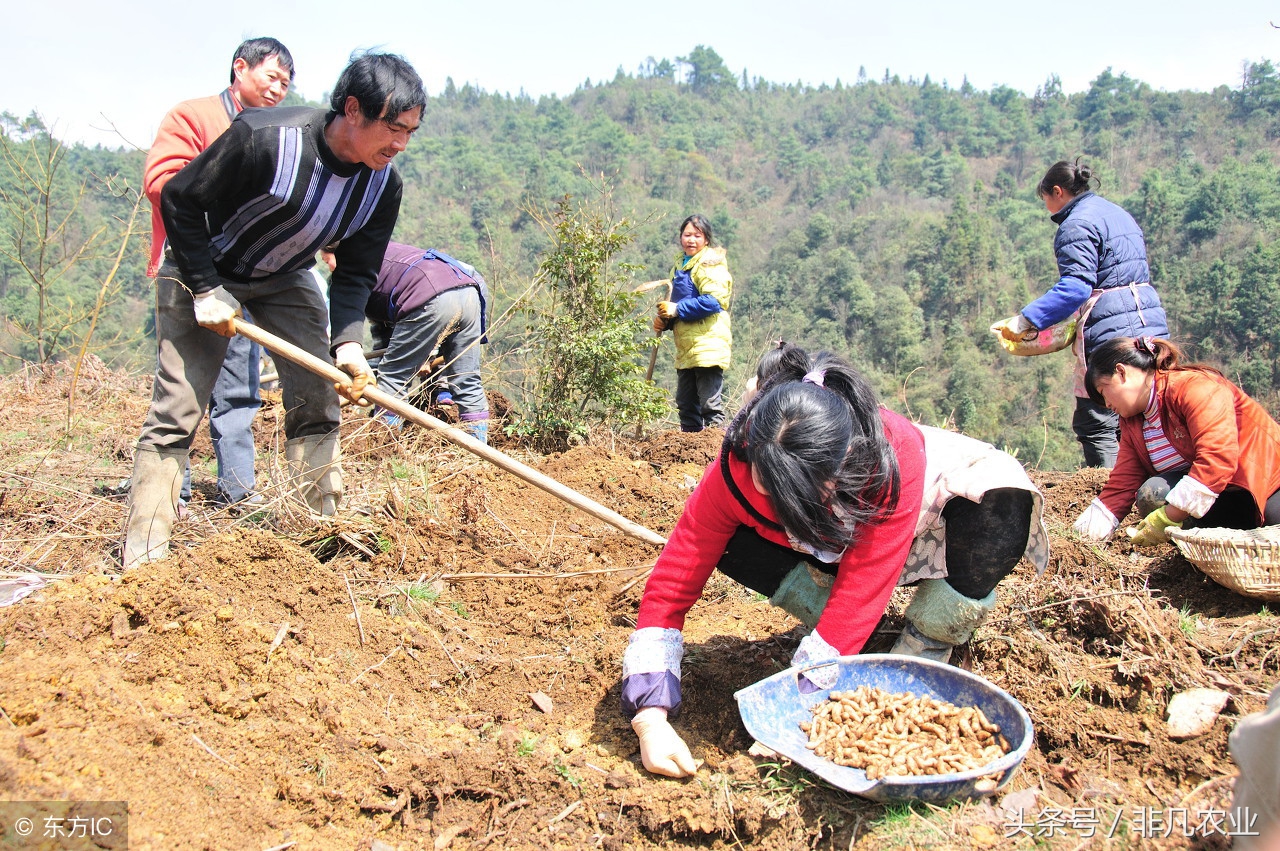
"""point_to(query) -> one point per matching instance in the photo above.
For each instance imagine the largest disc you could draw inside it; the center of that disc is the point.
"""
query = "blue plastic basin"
(773, 708)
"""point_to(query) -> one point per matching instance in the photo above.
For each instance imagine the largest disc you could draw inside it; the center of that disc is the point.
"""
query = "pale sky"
(107, 72)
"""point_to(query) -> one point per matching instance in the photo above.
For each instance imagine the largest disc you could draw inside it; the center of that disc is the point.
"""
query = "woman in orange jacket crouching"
(1195, 449)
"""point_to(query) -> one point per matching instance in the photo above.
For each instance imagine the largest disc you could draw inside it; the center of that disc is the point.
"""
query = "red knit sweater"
(867, 573)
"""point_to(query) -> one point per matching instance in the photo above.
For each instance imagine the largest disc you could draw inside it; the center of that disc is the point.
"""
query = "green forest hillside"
(891, 219)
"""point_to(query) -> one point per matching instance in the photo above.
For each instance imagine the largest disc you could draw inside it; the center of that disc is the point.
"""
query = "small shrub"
(590, 342)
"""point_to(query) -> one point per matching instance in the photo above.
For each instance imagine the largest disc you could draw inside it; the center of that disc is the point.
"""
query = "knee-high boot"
(153, 497)
(314, 471)
(940, 617)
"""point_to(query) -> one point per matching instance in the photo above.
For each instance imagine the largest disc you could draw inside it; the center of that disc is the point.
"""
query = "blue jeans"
(698, 397)
(234, 404)
(449, 322)
(232, 407)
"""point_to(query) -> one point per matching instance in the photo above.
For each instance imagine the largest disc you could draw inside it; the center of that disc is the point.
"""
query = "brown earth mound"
(438, 668)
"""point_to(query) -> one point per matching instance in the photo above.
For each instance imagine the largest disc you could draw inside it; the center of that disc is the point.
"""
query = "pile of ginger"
(899, 734)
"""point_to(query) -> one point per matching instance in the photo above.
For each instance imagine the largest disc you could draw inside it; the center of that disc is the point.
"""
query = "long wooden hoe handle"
(454, 435)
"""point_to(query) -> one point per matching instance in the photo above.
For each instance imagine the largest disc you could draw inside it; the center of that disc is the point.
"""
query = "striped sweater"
(266, 196)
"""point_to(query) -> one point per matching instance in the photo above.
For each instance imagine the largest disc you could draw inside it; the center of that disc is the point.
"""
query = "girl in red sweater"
(824, 501)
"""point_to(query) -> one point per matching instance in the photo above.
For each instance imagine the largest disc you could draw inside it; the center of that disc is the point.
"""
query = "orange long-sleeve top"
(186, 130)
(1228, 438)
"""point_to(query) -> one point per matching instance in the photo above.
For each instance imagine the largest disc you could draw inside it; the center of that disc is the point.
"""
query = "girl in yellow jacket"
(698, 314)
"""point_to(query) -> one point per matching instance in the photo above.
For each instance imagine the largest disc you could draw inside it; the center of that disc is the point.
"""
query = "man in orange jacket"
(261, 72)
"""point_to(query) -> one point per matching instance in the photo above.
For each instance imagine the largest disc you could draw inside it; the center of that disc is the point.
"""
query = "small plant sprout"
(421, 592)
(319, 767)
(524, 747)
(566, 772)
(897, 814)
(1188, 623)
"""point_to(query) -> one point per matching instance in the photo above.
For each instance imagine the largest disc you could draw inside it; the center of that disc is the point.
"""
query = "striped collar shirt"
(1164, 457)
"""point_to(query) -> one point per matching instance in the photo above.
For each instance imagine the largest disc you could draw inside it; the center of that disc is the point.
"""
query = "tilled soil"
(438, 667)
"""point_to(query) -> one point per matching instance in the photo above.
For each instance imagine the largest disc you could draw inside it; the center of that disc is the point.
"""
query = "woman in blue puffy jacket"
(1103, 277)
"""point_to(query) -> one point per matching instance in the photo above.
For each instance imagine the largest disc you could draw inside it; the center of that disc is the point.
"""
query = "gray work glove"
(217, 310)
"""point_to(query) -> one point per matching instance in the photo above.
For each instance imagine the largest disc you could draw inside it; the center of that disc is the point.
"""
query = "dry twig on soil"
(355, 608)
(212, 753)
(378, 664)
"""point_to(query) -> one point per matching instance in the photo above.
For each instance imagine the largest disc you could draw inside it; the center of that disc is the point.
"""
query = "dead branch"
(1234, 655)
(278, 640)
(565, 813)
(378, 664)
(567, 575)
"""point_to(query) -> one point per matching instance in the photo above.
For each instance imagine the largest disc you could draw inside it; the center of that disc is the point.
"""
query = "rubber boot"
(938, 618)
(912, 642)
(479, 429)
(153, 497)
(801, 596)
(1153, 493)
(314, 471)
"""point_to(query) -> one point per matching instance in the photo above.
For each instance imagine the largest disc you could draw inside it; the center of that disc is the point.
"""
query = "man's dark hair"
(255, 51)
(384, 84)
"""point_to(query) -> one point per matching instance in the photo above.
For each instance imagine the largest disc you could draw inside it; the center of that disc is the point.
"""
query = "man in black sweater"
(245, 220)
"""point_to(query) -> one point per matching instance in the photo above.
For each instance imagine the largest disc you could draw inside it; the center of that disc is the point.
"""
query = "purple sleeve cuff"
(660, 688)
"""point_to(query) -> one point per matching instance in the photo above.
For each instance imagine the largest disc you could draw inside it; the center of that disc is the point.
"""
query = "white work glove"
(349, 357)
(217, 310)
(1096, 523)
(661, 749)
(1016, 328)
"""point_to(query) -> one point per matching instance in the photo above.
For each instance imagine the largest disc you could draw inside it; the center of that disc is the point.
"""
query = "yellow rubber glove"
(667, 309)
(1153, 530)
(661, 749)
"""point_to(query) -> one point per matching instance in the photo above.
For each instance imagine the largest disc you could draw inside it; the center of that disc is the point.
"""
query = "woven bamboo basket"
(1245, 560)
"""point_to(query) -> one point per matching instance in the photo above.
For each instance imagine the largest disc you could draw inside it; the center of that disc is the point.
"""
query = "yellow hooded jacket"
(707, 341)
